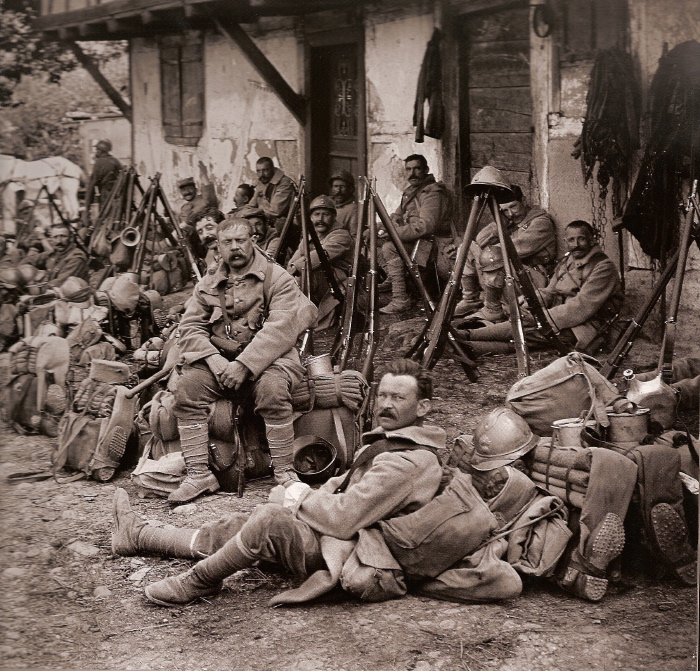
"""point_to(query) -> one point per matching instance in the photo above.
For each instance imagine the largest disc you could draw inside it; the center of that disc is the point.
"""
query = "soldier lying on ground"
(583, 298)
(398, 471)
(245, 353)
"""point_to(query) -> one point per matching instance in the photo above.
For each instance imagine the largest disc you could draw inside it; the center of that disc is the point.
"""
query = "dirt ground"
(69, 603)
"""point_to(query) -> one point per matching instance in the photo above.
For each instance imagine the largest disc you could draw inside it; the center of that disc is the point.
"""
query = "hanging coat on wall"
(430, 88)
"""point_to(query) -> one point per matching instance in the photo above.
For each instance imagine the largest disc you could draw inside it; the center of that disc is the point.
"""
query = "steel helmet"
(491, 258)
(343, 175)
(28, 272)
(11, 278)
(315, 459)
(489, 178)
(323, 202)
(104, 145)
(501, 438)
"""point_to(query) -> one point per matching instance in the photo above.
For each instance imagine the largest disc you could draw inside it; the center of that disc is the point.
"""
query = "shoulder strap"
(377, 448)
(267, 285)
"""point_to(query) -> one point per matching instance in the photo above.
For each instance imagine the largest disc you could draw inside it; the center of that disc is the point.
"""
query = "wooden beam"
(289, 97)
(89, 64)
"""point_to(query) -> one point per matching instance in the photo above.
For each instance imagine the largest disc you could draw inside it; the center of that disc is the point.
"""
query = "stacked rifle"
(130, 218)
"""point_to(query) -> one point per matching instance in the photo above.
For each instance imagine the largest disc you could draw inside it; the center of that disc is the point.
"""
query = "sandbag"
(568, 387)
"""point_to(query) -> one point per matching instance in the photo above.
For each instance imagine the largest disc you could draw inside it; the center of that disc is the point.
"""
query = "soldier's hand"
(234, 375)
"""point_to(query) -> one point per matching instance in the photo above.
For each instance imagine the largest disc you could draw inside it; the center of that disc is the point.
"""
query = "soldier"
(534, 236)
(338, 245)
(266, 237)
(425, 211)
(104, 175)
(583, 298)
(62, 257)
(237, 339)
(274, 192)
(242, 196)
(206, 223)
(195, 201)
(342, 186)
(399, 472)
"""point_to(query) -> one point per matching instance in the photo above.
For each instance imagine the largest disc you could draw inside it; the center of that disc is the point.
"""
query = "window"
(588, 26)
(182, 87)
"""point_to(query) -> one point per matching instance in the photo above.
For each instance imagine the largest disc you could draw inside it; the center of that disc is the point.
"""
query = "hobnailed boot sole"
(672, 538)
(607, 545)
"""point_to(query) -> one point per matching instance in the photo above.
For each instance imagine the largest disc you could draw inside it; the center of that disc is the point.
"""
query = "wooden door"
(337, 113)
(495, 102)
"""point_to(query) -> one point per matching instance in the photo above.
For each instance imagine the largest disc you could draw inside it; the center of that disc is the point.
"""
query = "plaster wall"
(394, 53)
(244, 118)
(652, 23)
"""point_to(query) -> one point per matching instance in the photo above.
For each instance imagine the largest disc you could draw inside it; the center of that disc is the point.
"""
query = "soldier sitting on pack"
(534, 236)
(237, 339)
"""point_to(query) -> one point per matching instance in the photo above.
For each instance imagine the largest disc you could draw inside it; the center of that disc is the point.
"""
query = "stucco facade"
(245, 119)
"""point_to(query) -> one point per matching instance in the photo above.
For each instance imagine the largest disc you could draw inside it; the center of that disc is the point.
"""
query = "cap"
(248, 212)
(322, 202)
(104, 145)
(344, 175)
(188, 181)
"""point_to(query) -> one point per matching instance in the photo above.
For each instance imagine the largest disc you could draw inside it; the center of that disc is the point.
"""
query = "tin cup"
(567, 432)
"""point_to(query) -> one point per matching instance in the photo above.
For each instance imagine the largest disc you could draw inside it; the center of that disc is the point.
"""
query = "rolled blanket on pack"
(575, 499)
(330, 390)
(541, 479)
(574, 476)
(578, 458)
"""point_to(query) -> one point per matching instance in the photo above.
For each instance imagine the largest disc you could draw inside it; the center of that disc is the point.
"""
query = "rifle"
(106, 207)
(369, 341)
(137, 263)
(516, 322)
(626, 340)
(285, 233)
(307, 342)
(431, 343)
(182, 242)
(343, 342)
(665, 368)
(323, 259)
(459, 351)
(534, 301)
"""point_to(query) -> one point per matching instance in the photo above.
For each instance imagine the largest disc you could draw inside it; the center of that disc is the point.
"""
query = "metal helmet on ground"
(104, 145)
(11, 278)
(343, 175)
(501, 438)
(315, 459)
(322, 202)
(491, 258)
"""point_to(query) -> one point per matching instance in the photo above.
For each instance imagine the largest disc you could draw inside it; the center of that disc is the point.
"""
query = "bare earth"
(69, 603)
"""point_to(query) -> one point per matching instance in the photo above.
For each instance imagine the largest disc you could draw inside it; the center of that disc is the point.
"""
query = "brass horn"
(130, 236)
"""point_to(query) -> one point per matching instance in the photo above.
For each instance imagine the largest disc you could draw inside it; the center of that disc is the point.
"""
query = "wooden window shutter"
(182, 88)
(192, 91)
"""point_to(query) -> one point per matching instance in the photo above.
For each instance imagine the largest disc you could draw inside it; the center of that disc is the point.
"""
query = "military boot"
(194, 440)
(133, 536)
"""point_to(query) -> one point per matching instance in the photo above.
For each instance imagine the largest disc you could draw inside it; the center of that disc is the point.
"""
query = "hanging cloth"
(672, 154)
(430, 88)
